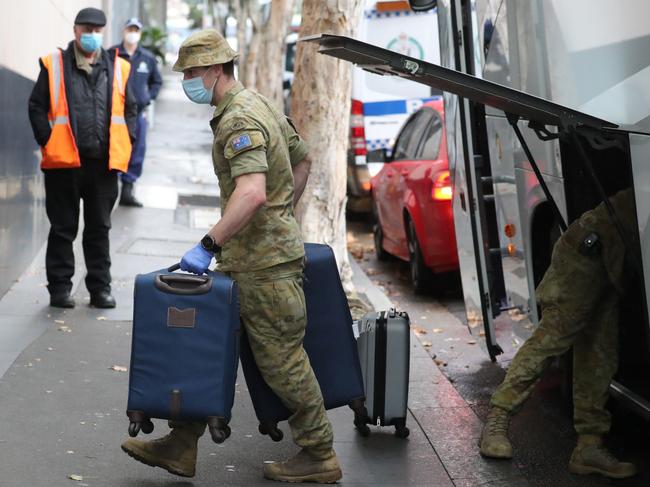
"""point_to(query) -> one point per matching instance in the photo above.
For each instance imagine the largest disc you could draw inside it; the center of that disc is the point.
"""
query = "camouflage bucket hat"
(203, 48)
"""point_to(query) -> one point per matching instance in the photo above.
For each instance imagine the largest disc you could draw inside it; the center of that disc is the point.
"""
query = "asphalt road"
(542, 432)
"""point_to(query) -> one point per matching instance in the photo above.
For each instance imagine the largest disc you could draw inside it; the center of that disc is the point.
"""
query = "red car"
(412, 198)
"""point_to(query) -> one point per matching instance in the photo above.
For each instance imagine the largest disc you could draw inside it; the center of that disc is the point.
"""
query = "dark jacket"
(89, 101)
(145, 76)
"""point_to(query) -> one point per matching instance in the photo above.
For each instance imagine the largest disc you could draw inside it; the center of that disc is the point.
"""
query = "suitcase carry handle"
(184, 284)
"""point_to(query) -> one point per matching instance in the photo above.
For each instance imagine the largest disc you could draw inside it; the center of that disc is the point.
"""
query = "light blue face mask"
(91, 41)
(195, 90)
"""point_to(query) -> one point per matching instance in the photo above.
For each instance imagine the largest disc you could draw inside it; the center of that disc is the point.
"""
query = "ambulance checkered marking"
(377, 144)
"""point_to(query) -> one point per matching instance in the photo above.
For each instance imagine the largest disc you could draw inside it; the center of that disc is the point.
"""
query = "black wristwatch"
(209, 244)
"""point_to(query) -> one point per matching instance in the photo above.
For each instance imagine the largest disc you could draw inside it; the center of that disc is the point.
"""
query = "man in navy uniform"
(146, 82)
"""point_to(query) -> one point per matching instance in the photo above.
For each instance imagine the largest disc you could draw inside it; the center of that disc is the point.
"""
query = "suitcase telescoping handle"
(184, 284)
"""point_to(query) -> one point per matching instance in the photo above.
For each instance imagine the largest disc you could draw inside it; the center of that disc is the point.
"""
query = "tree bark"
(249, 69)
(241, 8)
(320, 107)
(269, 72)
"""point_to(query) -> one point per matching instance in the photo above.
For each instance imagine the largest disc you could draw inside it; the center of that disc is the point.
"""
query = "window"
(431, 145)
(410, 138)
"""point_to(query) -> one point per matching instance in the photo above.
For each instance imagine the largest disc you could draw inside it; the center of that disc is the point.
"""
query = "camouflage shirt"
(252, 136)
(614, 251)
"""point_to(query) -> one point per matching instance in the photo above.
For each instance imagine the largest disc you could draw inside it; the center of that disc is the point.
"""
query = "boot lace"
(497, 424)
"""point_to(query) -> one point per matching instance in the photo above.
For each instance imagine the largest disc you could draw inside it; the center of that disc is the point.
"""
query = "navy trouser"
(137, 152)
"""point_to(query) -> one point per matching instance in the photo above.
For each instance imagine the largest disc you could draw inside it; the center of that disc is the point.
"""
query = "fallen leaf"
(440, 362)
(426, 344)
(372, 272)
(78, 478)
(118, 368)
(481, 333)
(101, 318)
(437, 330)
(418, 330)
(471, 342)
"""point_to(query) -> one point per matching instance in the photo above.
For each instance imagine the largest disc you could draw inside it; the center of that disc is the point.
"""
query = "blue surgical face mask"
(91, 41)
(196, 91)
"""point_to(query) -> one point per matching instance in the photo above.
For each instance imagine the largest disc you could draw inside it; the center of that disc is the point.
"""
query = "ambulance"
(381, 105)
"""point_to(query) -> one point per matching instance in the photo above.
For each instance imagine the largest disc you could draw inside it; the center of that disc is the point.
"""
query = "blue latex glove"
(196, 260)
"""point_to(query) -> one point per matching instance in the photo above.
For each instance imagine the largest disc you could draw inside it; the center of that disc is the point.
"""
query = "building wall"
(28, 29)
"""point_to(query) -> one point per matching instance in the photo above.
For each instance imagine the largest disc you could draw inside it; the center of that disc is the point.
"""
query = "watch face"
(207, 243)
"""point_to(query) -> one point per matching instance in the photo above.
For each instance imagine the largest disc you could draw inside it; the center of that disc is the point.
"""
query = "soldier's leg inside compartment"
(274, 316)
(595, 361)
(569, 291)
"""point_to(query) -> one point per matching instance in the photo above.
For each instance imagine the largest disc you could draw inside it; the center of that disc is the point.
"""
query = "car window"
(431, 146)
(399, 152)
(411, 136)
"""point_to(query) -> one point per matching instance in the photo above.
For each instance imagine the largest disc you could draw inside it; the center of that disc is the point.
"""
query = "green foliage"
(153, 38)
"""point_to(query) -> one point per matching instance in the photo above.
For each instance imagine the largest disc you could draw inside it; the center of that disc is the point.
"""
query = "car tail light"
(441, 190)
(357, 130)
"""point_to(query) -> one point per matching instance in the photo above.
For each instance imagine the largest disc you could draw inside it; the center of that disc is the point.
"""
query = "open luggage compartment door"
(517, 105)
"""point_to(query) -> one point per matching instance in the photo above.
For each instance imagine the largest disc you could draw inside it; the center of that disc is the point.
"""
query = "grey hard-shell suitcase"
(384, 351)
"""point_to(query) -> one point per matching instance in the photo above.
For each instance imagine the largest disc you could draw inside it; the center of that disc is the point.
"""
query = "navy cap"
(133, 22)
(90, 16)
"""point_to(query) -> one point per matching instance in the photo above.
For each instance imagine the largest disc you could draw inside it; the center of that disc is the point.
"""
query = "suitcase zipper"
(379, 399)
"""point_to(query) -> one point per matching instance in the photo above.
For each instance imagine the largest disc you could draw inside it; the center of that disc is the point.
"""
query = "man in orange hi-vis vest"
(83, 115)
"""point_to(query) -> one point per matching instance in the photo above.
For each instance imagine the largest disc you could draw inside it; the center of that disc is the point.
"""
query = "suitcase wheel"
(147, 427)
(272, 430)
(402, 431)
(220, 435)
(134, 429)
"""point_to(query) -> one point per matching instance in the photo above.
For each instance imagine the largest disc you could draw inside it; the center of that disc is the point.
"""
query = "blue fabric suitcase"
(329, 343)
(185, 350)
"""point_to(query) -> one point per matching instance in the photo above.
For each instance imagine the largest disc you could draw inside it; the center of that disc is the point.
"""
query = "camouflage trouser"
(274, 316)
(579, 309)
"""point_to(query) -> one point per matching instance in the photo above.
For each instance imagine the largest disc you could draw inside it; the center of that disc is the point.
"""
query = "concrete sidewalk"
(62, 405)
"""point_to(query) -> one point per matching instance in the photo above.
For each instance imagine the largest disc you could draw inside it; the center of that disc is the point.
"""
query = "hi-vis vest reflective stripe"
(61, 149)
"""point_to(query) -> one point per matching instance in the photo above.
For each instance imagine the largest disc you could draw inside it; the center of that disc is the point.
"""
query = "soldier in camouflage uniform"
(262, 166)
(579, 296)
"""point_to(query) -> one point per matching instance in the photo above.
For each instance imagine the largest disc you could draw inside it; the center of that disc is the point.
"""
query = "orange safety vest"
(61, 151)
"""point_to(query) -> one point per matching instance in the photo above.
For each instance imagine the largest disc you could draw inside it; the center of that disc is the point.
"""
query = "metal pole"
(558, 216)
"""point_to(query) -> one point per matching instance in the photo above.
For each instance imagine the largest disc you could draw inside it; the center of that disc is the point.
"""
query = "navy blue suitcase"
(329, 343)
(185, 350)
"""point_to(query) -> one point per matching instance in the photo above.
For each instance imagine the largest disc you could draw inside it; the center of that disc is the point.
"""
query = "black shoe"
(102, 299)
(127, 198)
(63, 300)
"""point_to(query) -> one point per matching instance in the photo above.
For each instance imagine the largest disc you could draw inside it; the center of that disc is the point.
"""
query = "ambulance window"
(431, 145)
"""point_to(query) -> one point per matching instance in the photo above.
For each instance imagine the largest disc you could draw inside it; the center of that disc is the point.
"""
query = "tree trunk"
(320, 107)
(241, 14)
(249, 68)
(269, 74)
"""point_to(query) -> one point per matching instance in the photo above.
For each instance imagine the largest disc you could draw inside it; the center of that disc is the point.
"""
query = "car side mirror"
(422, 5)
(377, 155)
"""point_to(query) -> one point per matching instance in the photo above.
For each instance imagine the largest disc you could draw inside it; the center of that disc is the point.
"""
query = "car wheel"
(378, 235)
(421, 275)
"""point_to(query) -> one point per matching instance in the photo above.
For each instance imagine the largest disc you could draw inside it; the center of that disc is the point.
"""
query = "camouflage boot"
(590, 456)
(175, 452)
(494, 438)
(305, 468)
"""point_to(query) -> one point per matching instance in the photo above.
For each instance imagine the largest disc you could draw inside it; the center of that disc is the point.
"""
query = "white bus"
(555, 118)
